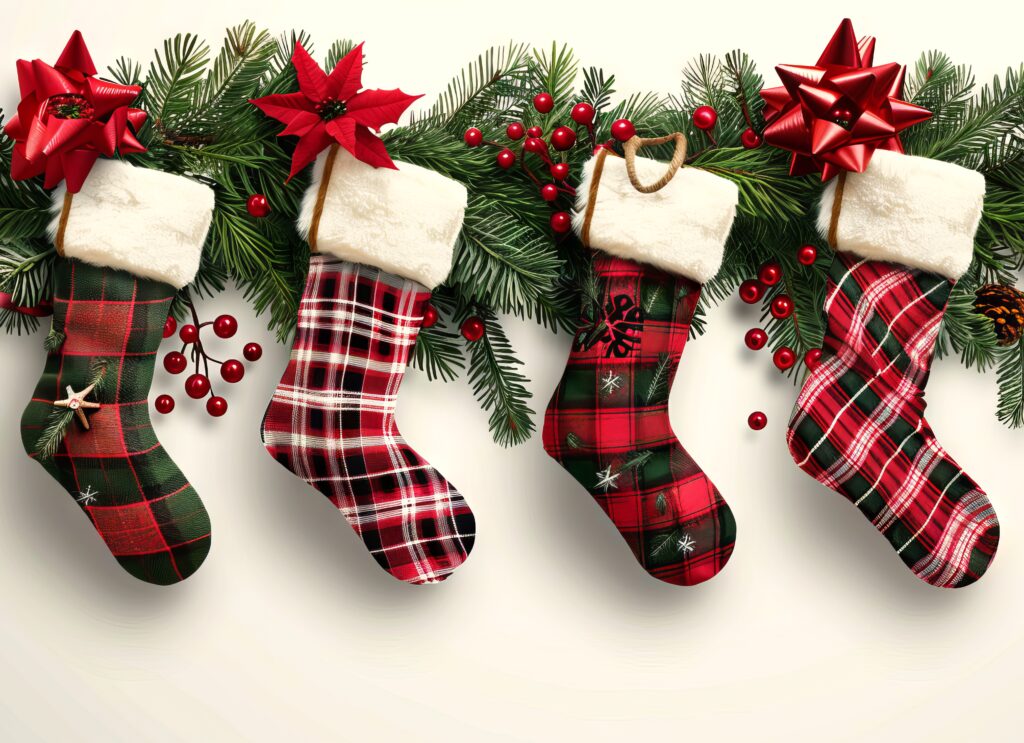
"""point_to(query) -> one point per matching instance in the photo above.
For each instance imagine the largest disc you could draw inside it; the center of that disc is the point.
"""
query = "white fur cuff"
(681, 228)
(147, 222)
(403, 221)
(915, 211)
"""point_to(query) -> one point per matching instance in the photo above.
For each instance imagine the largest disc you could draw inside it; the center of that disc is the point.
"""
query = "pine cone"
(1004, 306)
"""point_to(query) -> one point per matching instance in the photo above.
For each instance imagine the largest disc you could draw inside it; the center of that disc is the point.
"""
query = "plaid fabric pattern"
(332, 420)
(859, 425)
(139, 501)
(608, 425)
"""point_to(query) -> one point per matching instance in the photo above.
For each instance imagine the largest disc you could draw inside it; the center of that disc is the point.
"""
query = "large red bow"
(833, 116)
(67, 118)
(332, 108)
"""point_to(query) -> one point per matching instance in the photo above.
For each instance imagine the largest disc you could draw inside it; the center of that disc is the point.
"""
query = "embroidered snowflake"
(606, 480)
(686, 544)
(610, 383)
(88, 496)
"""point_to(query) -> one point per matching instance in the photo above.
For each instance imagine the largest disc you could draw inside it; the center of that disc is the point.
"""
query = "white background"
(815, 630)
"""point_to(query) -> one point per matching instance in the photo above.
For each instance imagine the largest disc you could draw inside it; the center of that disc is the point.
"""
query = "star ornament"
(332, 109)
(68, 118)
(76, 401)
(834, 115)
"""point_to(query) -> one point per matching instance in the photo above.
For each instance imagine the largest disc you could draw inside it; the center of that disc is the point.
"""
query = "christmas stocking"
(130, 238)
(381, 239)
(904, 231)
(607, 423)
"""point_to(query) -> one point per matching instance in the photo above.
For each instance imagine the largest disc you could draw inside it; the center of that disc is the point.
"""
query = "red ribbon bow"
(834, 115)
(68, 117)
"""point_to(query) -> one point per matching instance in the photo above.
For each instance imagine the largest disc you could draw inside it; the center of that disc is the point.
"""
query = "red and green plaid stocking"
(608, 424)
(88, 421)
(859, 425)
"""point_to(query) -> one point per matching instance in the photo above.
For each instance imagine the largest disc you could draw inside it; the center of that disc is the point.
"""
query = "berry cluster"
(752, 291)
(198, 385)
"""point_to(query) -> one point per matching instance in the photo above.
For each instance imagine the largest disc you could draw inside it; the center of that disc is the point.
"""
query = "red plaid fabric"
(608, 426)
(332, 420)
(859, 425)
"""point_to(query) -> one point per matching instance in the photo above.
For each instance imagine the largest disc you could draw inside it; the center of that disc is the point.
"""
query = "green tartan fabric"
(117, 471)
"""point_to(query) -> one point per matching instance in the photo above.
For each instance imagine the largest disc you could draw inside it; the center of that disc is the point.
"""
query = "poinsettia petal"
(300, 124)
(343, 130)
(312, 80)
(346, 78)
(371, 150)
(309, 146)
(375, 108)
(283, 106)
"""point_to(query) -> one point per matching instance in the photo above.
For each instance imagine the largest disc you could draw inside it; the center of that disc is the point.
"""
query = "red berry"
(561, 222)
(472, 329)
(770, 273)
(164, 404)
(782, 307)
(429, 316)
(543, 102)
(750, 139)
(257, 206)
(252, 351)
(784, 358)
(755, 339)
(197, 386)
(473, 137)
(506, 158)
(563, 138)
(560, 171)
(751, 291)
(188, 333)
(515, 130)
(170, 325)
(225, 326)
(175, 362)
(583, 113)
(232, 371)
(757, 420)
(534, 131)
(705, 117)
(535, 145)
(813, 358)
(549, 192)
(807, 255)
(216, 406)
(623, 130)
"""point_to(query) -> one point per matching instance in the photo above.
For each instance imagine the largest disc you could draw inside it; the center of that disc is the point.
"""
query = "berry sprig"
(198, 384)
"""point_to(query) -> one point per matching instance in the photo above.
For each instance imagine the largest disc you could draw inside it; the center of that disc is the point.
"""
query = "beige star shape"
(76, 401)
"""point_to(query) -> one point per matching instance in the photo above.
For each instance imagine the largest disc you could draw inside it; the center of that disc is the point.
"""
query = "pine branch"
(498, 386)
(1010, 380)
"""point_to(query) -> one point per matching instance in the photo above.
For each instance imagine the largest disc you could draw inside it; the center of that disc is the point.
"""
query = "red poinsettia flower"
(331, 109)
(68, 118)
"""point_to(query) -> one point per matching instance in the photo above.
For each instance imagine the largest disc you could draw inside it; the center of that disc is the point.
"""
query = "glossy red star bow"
(332, 108)
(834, 115)
(67, 118)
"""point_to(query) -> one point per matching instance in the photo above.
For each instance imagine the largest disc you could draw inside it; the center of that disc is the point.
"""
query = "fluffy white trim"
(149, 223)
(912, 210)
(682, 228)
(402, 221)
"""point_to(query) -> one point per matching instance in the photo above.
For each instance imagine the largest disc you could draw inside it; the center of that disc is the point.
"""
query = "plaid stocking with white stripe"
(859, 425)
(332, 420)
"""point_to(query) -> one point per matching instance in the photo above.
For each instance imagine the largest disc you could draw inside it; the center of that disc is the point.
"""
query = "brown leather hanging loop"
(837, 207)
(62, 223)
(321, 196)
(678, 158)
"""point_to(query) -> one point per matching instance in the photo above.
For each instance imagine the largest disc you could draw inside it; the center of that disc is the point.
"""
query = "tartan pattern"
(608, 425)
(332, 420)
(859, 427)
(139, 501)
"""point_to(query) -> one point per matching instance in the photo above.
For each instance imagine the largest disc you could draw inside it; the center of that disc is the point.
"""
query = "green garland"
(508, 261)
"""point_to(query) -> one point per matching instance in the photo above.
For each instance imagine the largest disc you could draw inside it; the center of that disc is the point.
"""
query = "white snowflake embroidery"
(88, 496)
(687, 544)
(610, 383)
(606, 480)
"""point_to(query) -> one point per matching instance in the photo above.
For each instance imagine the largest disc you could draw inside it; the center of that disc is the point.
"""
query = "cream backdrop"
(550, 631)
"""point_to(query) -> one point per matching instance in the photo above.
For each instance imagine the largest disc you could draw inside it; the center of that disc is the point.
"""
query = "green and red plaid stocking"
(607, 423)
(88, 421)
(859, 425)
